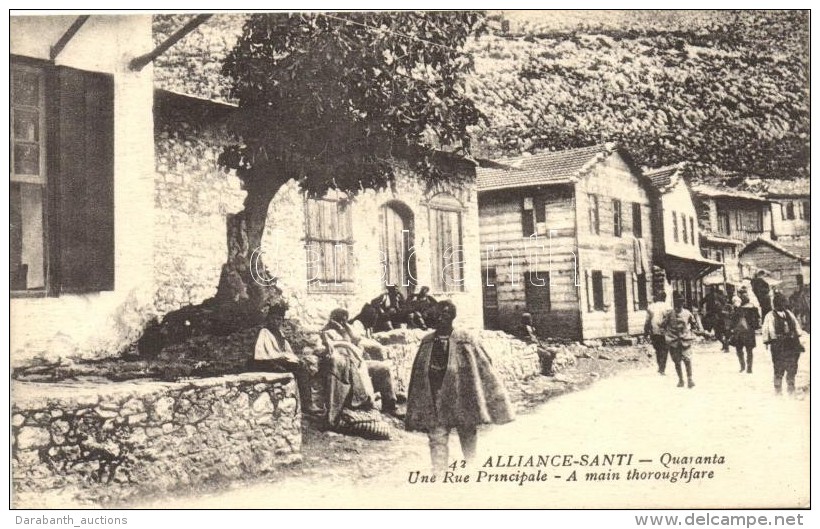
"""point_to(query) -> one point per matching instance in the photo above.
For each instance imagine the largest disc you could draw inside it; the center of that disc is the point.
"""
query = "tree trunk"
(238, 284)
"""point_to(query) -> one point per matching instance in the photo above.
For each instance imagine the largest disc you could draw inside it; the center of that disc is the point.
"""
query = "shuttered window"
(685, 229)
(639, 291)
(329, 243)
(637, 220)
(789, 210)
(62, 180)
(596, 285)
(724, 226)
(617, 218)
(594, 214)
(675, 235)
(692, 230)
(446, 243)
(527, 216)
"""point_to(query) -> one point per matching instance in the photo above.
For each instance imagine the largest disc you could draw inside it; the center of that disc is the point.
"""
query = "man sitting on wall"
(272, 351)
(353, 373)
(527, 334)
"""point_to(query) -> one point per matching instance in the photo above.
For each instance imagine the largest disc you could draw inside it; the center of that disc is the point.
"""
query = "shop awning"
(678, 267)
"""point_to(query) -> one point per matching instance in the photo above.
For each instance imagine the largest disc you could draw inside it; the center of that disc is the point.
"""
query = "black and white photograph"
(410, 259)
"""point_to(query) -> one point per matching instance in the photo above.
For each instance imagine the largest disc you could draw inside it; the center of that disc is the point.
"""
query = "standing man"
(453, 385)
(745, 321)
(653, 328)
(781, 332)
(762, 292)
(677, 325)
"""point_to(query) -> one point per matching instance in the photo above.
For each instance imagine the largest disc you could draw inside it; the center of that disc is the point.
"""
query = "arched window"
(446, 243)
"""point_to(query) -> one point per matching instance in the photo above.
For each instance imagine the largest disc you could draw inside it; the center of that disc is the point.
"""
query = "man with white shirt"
(654, 318)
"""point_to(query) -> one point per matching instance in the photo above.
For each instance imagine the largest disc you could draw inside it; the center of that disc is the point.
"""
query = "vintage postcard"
(410, 259)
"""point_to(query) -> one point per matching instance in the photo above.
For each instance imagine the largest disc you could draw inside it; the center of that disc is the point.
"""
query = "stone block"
(32, 437)
(162, 410)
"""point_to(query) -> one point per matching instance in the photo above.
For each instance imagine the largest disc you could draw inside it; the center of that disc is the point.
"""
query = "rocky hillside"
(717, 88)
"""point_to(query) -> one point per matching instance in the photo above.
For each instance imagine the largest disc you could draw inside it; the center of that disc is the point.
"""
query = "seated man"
(272, 351)
(389, 306)
(352, 376)
(419, 308)
(527, 334)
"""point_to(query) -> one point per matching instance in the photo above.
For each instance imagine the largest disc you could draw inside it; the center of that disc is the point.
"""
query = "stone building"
(338, 251)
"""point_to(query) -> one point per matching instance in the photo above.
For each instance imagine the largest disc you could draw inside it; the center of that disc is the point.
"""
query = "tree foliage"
(724, 90)
(333, 99)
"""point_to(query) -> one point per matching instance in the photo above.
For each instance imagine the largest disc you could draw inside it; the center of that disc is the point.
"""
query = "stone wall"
(285, 254)
(192, 198)
(111, 441)
(514, 360)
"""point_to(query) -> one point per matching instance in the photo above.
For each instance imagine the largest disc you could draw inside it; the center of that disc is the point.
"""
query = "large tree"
(332, 101)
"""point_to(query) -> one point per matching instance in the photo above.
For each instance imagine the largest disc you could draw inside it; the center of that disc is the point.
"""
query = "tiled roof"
(795, 250)
(801, 249)
(546, 168)
(664, 178)
(718, 239)
(796, 187)
(710, 190)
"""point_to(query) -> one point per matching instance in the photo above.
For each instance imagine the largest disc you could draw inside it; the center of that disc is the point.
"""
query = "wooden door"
(396, 246)
(490, 298)
(537, 295)
(619, 302)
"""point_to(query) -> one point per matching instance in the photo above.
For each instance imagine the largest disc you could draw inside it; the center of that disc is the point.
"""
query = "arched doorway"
(397, 239)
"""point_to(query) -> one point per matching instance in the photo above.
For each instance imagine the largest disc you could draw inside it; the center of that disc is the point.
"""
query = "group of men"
(453, 384)
(391, 310)
(735, 323)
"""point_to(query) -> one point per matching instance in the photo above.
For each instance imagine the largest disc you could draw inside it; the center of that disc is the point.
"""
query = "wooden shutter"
(527, 220)
(606, 287)
(588, 283)
(635, 301)
(85, 180)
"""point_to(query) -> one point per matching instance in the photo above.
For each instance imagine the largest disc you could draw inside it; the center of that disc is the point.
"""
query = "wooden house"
(787, 263)
(566, 236)
(791, 208)
(676, 234)
(729, 219)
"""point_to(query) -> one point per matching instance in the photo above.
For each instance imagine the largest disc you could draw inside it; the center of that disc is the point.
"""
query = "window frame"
(594, 212)
(637, 220)
(528, 216)
(445, 202)
(617, 218)
(596, 279)
(692, 231)
(42, 179)
(724, 221)
(790, 215)
(675, 232)
(343, 280)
